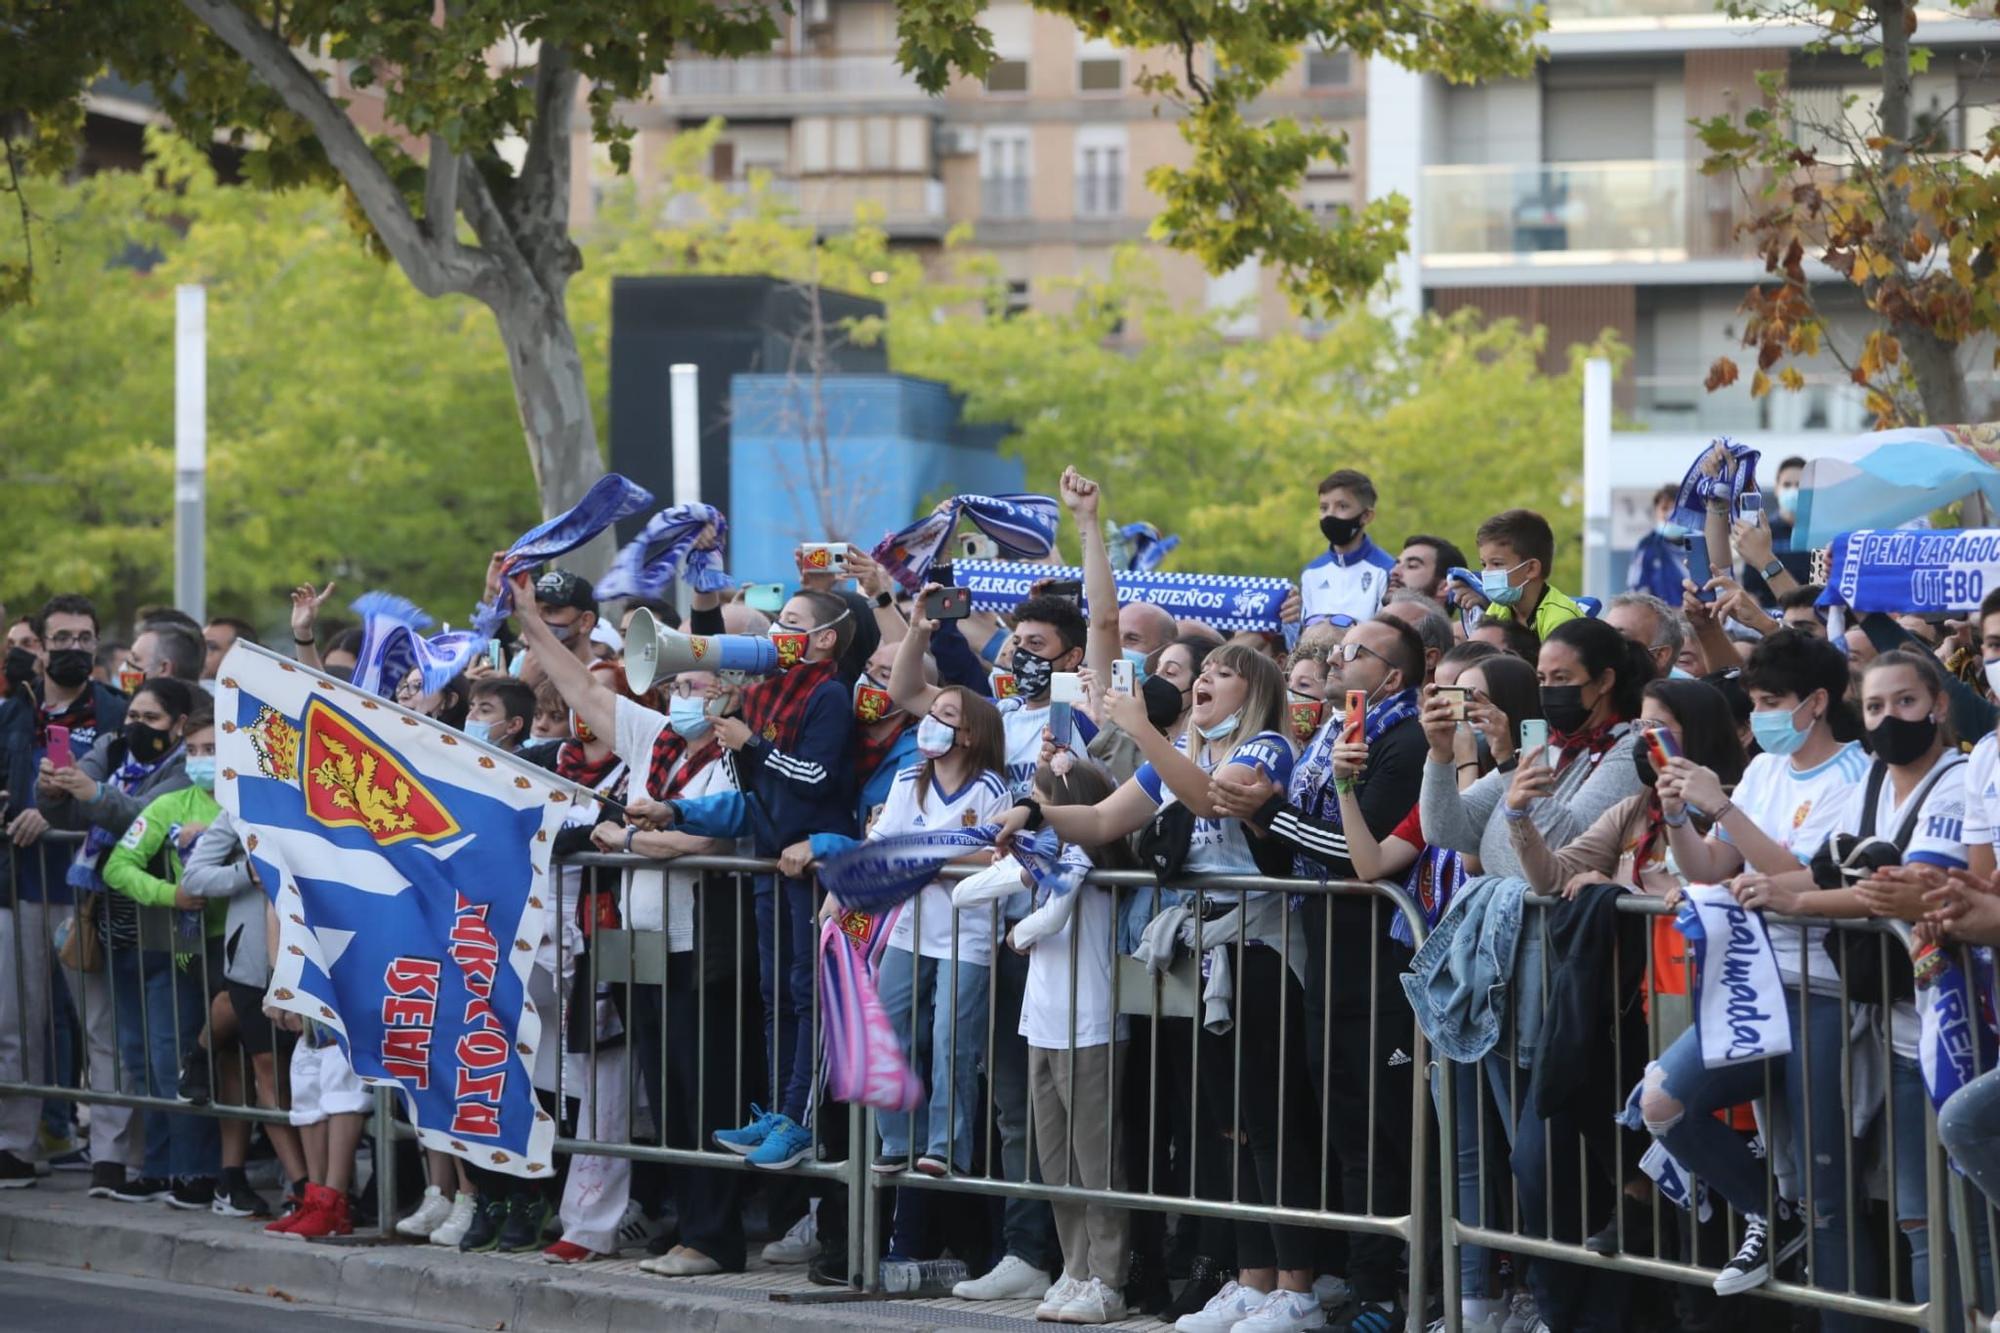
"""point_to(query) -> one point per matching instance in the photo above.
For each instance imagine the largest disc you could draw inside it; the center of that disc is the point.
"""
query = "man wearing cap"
(567, 604)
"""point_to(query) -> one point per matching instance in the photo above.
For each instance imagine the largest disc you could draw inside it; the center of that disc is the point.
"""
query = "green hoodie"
(145, 866)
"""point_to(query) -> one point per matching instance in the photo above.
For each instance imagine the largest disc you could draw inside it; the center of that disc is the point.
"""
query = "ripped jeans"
(1679, 1101)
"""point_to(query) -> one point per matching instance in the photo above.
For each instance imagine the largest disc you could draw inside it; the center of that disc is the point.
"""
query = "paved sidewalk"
(57, 1224)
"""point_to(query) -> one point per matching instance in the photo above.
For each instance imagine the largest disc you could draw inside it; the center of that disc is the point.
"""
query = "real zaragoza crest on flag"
(409, 866)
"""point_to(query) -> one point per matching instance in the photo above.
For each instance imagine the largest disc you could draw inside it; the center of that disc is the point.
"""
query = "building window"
(1007, 76)
(1328, 69)
(1100, 180)
(1003, 173)
(1100, 74)
(1017, 298)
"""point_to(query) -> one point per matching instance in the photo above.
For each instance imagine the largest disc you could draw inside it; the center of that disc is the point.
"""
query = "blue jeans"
(1910, 1101)
(787, 945)
(160, 1012)
(1483, 1129)
(1710, 1149)
(957, 1041)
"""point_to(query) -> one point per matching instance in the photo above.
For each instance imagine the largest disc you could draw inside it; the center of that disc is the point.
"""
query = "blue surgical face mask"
(1672, 531)
(1495, 584)
(201, 771)
(1776, 731)
(480, 731)
(1138, 660)
(688, 717)
(1221, 729)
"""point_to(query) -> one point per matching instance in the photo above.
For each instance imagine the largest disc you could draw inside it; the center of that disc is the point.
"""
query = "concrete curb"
(66, 1230)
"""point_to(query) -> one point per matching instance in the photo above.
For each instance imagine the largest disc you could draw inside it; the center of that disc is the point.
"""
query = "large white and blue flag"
(1888, 478)
(408, 866)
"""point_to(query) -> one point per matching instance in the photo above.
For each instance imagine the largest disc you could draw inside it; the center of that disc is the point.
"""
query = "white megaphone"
(652, 652)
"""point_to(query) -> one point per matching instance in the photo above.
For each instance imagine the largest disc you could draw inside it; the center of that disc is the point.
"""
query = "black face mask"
(1643, 762)
(1164, 701)
(20, 666)
(1339, 531)
(146, 744)
(69, 667)
(1564, 708)
(1901, 740)
(1032, 673)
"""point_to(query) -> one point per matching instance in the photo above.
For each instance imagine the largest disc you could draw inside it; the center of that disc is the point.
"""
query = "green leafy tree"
(356, 430)
(461, 78)
(1884, 197)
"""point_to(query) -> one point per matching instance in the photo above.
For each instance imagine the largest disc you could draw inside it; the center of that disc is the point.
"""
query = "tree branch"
(432, 269)
(441, 196)
(541, 213)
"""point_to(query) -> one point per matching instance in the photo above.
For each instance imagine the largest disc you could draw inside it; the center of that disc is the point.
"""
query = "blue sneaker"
(748, 1139)
(788, 1145)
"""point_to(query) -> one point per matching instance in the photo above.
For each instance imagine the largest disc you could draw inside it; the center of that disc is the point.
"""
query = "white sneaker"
(1283, 1312)
(1064, 1291)
(1522, 1316)
(459, 1221)
(1012, 1279)
(800, 1245)
(430, 1214)
(1094, 1303)
(635, 1228)
(1228, 1307)
(1332, 1291)
(1474, 1319)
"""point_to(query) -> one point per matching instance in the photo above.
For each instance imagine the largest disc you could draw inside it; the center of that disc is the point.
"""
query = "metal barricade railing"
(653, 990)
(1861, 1044)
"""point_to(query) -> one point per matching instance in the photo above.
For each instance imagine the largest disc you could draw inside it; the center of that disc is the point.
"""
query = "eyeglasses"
(1336, 619)
(81, 639)
(687, 689)
(410, 690)
(1351, 650)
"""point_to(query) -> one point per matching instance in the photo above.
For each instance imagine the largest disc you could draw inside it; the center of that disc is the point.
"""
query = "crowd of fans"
(1450, 724)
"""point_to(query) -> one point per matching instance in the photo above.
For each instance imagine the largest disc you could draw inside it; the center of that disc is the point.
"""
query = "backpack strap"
(1878, 773)
(1917, 799)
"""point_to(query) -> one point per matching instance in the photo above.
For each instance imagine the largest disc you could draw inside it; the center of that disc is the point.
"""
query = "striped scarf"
(774, 708)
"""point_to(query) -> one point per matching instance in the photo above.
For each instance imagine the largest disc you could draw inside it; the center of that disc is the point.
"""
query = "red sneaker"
(294, 1208)
(326, 1214)
(568, 1252)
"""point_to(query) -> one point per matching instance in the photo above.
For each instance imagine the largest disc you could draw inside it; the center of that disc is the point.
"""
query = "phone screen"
(1699, 572)
(1059, 723)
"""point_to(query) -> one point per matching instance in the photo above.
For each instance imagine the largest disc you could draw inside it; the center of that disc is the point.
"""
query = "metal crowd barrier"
(1875, 1287)
(633, 967)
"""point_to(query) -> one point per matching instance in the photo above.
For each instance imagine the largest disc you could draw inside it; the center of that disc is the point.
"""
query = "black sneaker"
(16, 1173)
(522, 1231)
(1372, 1317)
(239, 1201)
(106, 1179)
(488, 1215)
(830, 1270)
(1762, 1250)
(886, 1164)
(192, 1194)
(1205, 1278)
(194, 1080)
(146, 1189)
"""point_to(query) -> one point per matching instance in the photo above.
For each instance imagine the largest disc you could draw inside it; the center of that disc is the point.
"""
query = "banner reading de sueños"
(1229, 602)
(1925, 572)
(408, 867)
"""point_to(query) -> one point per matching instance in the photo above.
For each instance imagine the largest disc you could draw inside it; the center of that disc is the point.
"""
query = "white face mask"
(935, 738)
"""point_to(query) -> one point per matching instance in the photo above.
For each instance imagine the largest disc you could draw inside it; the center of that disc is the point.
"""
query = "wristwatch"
(884, 600)
(1772, 570)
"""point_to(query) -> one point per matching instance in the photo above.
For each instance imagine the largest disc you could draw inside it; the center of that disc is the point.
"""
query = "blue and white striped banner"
(1927, 573)
(1230, 602)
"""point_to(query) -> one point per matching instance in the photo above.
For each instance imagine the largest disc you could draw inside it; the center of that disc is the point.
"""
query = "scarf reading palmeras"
(774, 708)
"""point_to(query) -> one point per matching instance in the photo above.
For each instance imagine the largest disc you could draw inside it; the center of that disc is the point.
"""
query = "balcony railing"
(1584, 212)
(869, 76)
(1564, 11)
(1003, 196)
(903, 201)
(1099, 195)
(1682, 403)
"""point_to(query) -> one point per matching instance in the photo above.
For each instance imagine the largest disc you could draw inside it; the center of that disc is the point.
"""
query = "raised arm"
(1080, 496)
(305, 615)
(907, 686)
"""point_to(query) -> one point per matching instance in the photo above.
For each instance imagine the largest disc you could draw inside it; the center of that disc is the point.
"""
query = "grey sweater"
(1471, 821)
(219, 868)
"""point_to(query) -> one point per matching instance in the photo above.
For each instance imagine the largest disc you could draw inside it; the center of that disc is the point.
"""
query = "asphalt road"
(52, 1300)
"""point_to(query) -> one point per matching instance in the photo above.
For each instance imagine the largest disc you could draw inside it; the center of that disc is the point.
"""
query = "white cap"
(603, 633)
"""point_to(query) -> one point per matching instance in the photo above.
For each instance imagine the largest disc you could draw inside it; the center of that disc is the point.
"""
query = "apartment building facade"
(1045, 158)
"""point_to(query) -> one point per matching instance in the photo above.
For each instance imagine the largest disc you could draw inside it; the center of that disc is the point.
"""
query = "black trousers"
(689, 1060)
(1266, 1120)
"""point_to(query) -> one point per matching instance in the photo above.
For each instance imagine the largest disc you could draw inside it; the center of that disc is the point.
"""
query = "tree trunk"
(1933, 360)
(554, 399)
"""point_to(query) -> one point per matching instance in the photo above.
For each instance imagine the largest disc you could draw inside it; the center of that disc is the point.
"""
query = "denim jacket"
(1473, 965)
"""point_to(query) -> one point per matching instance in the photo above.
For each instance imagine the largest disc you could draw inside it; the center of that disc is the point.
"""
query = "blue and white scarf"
(665, 551)
(1712, 478)
(1021, 525)
(1311, 788)
(1739, 996)
(392, 643)
(1140, 546)
(1955, 1044)
(609, 499)
(876, 875)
